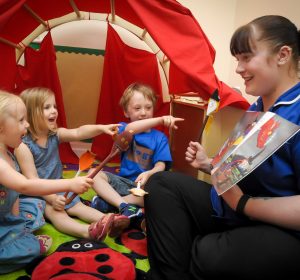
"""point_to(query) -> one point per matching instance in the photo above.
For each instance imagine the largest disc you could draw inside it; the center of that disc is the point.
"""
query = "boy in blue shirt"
(149, 153)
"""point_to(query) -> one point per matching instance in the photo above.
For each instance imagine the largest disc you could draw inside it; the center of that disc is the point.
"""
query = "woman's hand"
(232, 196)
(196, 156)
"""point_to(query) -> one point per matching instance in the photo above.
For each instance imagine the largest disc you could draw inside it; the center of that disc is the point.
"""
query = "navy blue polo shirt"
(279, 175)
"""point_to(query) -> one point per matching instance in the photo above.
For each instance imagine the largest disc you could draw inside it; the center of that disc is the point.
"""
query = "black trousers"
(185, 241)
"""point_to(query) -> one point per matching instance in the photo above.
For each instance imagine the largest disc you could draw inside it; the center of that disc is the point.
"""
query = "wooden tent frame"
(79, 15)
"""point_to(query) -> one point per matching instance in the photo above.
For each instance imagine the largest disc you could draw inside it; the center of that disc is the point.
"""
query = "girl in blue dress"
(38, 156)
(18, 245)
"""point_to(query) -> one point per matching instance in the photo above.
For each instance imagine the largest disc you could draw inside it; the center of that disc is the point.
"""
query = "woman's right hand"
(196, 156)
(81, 184)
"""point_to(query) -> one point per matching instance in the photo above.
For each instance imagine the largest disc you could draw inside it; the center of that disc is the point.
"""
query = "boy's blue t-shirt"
(146, 149)
(279, 175)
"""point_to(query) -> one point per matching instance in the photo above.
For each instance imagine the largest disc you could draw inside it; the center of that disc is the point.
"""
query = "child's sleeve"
(162, 152)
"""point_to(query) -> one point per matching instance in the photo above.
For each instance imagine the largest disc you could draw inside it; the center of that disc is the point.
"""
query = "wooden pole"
(202, 128)
(35, 15)
(144, 33)
(75, 8)
(7, 42)
(113, 11)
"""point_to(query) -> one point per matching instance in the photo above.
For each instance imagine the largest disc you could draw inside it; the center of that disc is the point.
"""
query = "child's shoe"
(130, 210)
(120, 223)
(101, 205)
(99, 230)
(45, 243)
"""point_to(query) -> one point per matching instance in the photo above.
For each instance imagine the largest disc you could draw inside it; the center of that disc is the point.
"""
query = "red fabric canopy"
(171, 25)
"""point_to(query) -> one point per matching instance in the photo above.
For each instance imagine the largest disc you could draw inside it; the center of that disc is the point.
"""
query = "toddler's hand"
(169, 121)
(81, 184)
(143, 178)
(110, 129)
(59, 203)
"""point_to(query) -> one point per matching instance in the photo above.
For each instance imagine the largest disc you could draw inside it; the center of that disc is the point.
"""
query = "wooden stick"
(165, 59)
(75, 8)
(35, 15)
(144, 32)
(113, 11)
(7, 42)
(202, 128)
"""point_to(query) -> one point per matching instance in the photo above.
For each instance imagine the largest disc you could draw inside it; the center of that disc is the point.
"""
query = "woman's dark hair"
(278, 30)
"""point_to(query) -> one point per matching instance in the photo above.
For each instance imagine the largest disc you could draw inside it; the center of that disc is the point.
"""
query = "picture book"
(255, 137)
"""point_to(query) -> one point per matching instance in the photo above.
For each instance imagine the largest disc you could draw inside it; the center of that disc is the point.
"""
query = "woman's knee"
(162, 178)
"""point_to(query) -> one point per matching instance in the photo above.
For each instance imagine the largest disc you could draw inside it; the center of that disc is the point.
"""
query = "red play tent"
(173, 33)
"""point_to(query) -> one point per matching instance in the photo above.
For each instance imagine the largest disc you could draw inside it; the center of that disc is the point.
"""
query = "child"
(148, 153)
(251, 231)
(38, 157)
(18, 245)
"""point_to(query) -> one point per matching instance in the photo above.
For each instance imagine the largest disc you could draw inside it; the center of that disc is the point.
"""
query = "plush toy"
(136, 241)
(85, 259)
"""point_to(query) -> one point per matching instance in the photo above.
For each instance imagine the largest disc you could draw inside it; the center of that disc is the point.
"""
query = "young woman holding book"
(252, 231)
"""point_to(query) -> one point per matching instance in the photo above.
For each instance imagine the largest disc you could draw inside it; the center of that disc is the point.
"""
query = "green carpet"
(59, 238)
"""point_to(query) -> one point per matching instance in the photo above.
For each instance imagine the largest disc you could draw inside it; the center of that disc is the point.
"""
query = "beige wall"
(219, 19)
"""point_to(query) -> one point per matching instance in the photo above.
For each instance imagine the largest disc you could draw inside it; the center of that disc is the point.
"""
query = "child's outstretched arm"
(27, 165)
(12, 179)
(85, 132)
(144, 125)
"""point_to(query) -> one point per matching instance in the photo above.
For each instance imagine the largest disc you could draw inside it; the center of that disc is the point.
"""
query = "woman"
(195, 234)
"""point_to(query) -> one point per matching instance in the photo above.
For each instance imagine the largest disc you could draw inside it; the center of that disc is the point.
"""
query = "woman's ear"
(284, 55)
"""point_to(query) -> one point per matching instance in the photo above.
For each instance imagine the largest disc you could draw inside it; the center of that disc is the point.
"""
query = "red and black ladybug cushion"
(85, 259)
(136, 241)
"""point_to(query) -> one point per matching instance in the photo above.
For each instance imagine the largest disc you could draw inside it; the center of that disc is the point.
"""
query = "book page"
(256, 137)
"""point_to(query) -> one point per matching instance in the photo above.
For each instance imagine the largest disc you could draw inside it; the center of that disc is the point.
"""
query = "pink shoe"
(45, 243)
(119, 224)
(98, 230)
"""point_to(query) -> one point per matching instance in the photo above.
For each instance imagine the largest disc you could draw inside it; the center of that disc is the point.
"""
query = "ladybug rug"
(85, 259)
(92, 260)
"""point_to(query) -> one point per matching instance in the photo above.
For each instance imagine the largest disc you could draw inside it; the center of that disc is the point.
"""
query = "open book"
(255, 137)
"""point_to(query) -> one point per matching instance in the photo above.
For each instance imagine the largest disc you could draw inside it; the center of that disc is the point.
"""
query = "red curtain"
(123, 65)
(40, 71)
(7, 67)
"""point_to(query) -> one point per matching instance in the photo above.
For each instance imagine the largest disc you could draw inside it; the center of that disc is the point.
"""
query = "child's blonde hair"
(34, 99)
(146, 90)
(6, 100)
